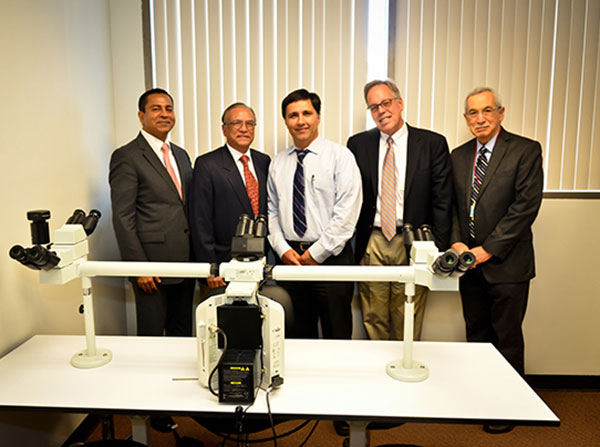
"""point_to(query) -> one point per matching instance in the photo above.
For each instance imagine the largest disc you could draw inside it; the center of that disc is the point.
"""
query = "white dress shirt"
(156, 145)
(400, 143)
(333, 193)
(236, 157)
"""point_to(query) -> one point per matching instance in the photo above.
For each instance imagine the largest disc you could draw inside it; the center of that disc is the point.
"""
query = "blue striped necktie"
(299, 198)
(480, 168)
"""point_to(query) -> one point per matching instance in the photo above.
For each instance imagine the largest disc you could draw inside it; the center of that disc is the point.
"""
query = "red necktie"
(251, 185)
(170, 170)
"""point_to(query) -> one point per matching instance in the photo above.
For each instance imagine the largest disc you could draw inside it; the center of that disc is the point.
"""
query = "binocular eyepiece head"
(36, 257)
(88, 222)
(451, 264)
(248, 242)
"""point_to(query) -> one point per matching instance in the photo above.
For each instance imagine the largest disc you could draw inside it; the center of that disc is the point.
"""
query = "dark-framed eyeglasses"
(386, 104)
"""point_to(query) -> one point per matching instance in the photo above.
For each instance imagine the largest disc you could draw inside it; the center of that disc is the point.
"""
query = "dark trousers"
(168, 310)
(328, 301)
(494, 313)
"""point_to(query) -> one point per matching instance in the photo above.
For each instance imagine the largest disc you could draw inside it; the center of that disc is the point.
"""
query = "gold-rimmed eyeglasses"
(237, 124)
(487, 112)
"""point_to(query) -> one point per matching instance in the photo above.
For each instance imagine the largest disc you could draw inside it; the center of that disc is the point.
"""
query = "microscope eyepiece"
(42, 257)
(408, 234)
(425, 233)
(466, 260)
(244, 225)
(260, 226)
(90, 221)
(445, 264)
(76, 217)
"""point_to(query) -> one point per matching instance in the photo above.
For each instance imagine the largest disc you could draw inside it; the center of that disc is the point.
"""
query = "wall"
(59, 125)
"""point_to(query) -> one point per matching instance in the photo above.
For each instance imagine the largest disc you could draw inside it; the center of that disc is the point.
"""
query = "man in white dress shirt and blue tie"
(314, 198)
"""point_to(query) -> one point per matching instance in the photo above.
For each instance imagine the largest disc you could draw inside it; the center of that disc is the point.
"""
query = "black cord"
(212, 373)
(271, 417)
(270, 438)
(312, 430)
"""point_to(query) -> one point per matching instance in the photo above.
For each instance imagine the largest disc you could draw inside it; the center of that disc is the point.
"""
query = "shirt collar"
(489, 145)
(313, 147)
(397, 135)
(237, 154)
(155, 143)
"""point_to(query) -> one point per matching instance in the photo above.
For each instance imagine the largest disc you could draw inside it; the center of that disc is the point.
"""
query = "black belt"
(300, 246)
(398, 229)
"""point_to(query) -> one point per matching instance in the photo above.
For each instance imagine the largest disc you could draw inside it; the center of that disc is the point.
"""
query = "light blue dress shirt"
(333, 193)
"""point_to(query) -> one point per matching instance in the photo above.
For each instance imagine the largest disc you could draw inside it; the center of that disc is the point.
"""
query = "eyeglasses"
(386, 104)
(237, 124)
(487, 112)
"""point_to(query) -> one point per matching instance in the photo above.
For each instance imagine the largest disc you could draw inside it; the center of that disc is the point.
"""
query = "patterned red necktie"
(251, 185)
(170, 170)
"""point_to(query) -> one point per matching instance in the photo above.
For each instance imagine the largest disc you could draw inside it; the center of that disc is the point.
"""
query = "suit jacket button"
(186, 231)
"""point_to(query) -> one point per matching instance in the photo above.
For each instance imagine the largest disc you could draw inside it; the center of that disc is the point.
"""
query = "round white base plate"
(83, 360)
(417, 373)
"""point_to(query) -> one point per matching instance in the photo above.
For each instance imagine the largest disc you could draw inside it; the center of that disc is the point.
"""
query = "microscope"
(241, 333)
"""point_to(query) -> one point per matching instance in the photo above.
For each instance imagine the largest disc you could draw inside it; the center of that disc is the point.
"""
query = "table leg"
(358, 434)
(140, 429)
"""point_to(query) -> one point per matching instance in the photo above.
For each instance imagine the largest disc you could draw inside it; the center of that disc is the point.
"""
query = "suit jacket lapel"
(373, 160)
(412, 156)
(181, 161)
(262, 188)
(155, 162)
(468, 162)
(497, 155)
(233, 177)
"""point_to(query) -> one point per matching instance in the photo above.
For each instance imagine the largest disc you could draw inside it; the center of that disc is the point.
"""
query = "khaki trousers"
(382, 303)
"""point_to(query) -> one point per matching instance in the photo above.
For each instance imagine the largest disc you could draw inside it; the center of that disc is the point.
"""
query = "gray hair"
(478, 90)
(391, 84)
(235, 105)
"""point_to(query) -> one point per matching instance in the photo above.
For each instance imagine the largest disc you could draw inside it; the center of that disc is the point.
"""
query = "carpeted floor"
(579, 412)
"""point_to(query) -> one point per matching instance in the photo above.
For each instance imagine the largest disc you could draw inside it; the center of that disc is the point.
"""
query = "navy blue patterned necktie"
(299, 198)
(480, 168)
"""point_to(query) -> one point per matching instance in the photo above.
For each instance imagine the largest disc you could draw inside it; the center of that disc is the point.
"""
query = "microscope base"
(84, 361)
(417, 373)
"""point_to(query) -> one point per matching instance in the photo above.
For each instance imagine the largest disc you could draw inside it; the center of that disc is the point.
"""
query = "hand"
(481, 255)
(215, 281)
(460, 247)
(307, 259)
(148, 283)
(291, 257)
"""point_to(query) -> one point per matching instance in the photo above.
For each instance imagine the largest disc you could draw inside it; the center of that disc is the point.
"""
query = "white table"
(328, 379)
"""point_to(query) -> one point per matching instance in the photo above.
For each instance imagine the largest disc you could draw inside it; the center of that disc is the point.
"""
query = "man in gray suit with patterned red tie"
(149, 182)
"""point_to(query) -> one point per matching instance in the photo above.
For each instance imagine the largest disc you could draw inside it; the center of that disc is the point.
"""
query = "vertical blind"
(542, 56)
(211, 53)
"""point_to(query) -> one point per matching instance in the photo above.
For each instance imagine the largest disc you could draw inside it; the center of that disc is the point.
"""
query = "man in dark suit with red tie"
(498, 183)
(149, 182)
(226, 183)
(407, 179)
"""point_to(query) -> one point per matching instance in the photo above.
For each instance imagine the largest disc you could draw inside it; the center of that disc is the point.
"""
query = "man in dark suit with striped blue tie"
(498, 183)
